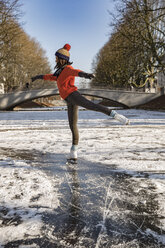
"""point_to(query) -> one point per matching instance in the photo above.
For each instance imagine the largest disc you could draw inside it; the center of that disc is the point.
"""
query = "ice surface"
(114, 197)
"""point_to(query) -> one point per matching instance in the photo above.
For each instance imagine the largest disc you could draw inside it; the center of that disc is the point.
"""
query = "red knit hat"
(63, 53)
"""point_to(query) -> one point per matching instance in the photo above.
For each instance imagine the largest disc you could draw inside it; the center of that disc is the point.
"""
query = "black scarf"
(58, 71)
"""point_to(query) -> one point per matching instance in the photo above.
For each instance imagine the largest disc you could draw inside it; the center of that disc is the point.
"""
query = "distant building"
(161, 77)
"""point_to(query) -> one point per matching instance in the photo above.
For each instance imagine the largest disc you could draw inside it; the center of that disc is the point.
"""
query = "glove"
(37, 77)
(86, 75)
(91, 75)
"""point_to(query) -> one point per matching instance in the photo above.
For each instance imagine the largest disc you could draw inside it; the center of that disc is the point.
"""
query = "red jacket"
(65, 80)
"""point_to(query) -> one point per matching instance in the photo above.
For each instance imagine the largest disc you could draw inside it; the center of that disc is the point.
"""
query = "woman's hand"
(86, 75)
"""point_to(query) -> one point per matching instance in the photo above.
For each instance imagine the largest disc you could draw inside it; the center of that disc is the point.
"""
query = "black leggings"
(74, 100)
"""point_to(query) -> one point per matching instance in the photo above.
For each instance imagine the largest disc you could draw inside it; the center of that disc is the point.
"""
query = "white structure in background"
(161, 78)
(2, 89)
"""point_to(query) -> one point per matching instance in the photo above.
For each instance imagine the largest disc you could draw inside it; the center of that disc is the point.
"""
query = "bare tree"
(145, 28)
(9, 14)
(20, 56)
(136, 47)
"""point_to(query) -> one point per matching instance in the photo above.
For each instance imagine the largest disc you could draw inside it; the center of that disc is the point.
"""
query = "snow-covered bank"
(113, 198)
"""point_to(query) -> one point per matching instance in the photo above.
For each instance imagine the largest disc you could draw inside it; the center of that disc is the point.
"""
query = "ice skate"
(72, 157)
(120, 118)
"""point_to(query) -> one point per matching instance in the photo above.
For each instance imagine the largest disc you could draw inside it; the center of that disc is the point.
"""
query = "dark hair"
(61, 63)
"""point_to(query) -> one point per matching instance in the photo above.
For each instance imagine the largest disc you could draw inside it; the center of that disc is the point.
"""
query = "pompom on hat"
(63, 53)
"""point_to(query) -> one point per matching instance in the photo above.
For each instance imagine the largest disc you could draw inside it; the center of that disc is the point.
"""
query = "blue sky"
(84, 24)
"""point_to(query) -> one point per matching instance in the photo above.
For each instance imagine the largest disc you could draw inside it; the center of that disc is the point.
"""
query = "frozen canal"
(114, 197)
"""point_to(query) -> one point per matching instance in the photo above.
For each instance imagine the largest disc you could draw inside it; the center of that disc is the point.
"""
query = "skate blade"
(71, 161)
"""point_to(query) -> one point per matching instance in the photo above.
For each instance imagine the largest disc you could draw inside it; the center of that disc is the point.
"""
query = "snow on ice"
(114, 197)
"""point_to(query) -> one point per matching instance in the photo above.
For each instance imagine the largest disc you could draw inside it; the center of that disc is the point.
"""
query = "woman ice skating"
(65, 76)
